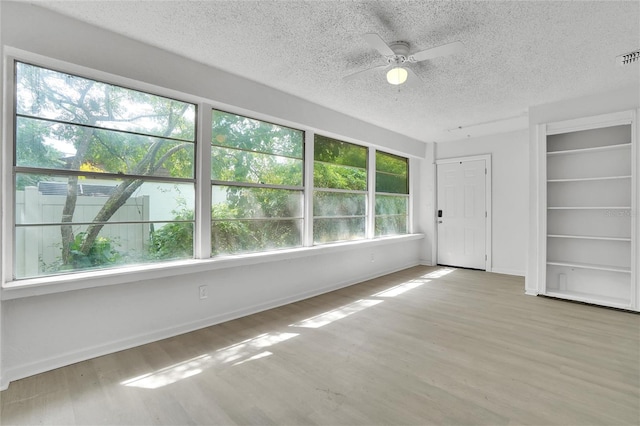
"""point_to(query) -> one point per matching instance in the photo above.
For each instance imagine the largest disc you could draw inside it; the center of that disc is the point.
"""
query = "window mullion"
(7, 233)
(202, 237)
(371, 193)
(307, 236)
(410, 196)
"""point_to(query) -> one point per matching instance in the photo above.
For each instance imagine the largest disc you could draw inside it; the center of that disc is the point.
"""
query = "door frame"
(487, 186)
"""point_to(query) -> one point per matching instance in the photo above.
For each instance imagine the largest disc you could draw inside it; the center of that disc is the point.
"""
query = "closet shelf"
(591, 266)
(590, 298)
(588, 237)
(590, 208)
(595, 149)
(589, 179)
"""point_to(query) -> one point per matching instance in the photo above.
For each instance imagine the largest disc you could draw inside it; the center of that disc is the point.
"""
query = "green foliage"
(390, 163)
(249, 219)
(392, 174)
(245, 236)
(102, 128)
(339, 229)
(76, 102)
(390, 225)
(105, 128)
(238, 132)
(391, 204)
(339, 204)
(339, 165)
(339, 177)
(229, 234)
(32, 151)
(173, 240)
(233, 165)
(328, 150)
(101, 254)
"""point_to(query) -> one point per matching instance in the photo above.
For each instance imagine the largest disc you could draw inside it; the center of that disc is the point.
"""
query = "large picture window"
(257, 194)
(102, 174)
(392, 194)
(340, 190)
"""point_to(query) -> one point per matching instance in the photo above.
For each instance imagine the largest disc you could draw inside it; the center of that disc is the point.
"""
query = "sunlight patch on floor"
(255, 357)
(254, 348)
(336, 314)
(439, 273)
(399, 289)
(193, 366)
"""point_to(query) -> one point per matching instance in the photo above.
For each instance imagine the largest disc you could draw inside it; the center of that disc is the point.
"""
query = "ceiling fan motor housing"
(401, 53)
(400, 48)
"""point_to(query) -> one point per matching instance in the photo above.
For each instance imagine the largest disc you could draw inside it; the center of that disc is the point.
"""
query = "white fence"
(39, 247)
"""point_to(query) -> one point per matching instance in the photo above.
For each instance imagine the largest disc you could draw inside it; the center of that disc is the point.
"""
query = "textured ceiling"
(516, 54)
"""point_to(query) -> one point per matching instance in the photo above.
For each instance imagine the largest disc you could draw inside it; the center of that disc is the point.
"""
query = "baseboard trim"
(530, 292)
(25, 370)
(508, 272)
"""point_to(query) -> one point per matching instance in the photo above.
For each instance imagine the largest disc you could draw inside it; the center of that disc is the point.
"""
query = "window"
(340, 190)
(103, 174)
(392, 194)
(257, 195)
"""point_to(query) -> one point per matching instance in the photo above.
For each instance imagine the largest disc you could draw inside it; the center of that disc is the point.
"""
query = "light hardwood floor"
(421, 346)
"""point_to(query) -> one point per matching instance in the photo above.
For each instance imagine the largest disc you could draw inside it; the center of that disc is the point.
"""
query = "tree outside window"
(100, 171)
(392, 194)
(257, 194)
(340, 190)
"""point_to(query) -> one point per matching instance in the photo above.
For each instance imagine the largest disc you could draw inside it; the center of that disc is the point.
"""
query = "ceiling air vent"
(628, 58)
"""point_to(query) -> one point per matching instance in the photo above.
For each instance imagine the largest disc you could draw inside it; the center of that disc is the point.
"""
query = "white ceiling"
(517, 54)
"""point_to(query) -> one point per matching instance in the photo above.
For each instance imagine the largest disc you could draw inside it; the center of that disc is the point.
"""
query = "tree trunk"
(147, 166)
(69, 209)
(67, 216)
(115, 201)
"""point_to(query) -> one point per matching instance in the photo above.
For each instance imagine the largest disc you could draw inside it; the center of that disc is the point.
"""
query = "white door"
(462, 214)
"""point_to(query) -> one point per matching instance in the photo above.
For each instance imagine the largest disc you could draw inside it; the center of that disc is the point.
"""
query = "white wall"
(2, 381)
(622, 100)
(48, 331)
(425, 205)
(509, 162)
(45, 331)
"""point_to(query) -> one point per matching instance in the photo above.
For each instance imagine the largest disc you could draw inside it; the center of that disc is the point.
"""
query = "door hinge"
(485, 214)
(485, 171)
(485, 257)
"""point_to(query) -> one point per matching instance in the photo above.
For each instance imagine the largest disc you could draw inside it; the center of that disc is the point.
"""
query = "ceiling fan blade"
(363, 72)
(413, 80)
(377, 43)
(444, 50)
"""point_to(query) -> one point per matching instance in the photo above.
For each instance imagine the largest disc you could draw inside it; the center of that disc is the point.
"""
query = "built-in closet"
(588, 177)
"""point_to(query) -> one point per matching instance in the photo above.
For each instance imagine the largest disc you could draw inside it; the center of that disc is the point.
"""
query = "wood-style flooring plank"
(427, 345)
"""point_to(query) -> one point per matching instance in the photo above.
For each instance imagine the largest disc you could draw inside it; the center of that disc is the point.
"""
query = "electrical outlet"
(373, 257)
(203, 292)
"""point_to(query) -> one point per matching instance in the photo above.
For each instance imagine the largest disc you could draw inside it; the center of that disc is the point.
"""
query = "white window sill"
(83, 280)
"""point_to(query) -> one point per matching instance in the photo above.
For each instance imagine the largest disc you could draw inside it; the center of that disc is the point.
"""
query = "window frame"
(67, 173)
(10, 169)
(366, 192)
(15, 289)
(406, 195)
(238, 184)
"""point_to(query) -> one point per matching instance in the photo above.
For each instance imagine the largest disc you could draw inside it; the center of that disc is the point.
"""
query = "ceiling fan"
(398, 57)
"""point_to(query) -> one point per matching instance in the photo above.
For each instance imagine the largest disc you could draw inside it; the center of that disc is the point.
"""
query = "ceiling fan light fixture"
(397, 75)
